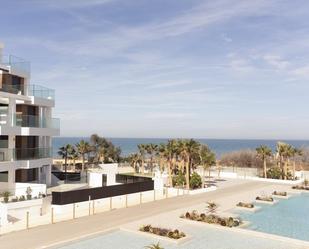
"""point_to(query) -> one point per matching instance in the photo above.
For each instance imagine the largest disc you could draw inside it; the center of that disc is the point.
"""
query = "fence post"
(166, 192)
(73, 210)
(27, 220)
(110, 203)
(89, 206)
(41, 211)
(178, 191)
(52, 215)
(93, 211)
(126, 201)
(154, 195)
(140, 197)
(183, 189)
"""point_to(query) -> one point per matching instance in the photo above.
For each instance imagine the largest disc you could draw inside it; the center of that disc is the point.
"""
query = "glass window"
(4, 176)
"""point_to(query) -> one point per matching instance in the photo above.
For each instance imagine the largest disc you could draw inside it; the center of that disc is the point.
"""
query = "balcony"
(15, 64)
(36, 121)
(24, 154)
(29, 90)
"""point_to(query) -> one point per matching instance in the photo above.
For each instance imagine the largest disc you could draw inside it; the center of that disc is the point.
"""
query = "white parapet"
(36, 189)
(160, 179)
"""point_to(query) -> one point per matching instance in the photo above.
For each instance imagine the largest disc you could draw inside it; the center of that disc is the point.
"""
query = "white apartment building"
(26, 127)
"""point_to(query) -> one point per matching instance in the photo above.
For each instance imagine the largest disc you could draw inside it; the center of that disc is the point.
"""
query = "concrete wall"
(95, 179)
(21, 188)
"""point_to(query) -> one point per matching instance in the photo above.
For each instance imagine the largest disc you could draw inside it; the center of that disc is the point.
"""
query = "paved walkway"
(43, 236)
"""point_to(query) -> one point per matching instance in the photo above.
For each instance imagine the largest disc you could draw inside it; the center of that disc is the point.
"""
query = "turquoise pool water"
(289, 218)
(201, 238)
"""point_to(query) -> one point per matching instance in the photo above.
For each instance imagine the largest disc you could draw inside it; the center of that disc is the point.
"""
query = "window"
(4, 176)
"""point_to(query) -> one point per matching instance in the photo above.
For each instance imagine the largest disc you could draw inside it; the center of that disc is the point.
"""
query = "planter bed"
(301, 187)
(265, 200)
(245, 205)
(281, 195)
(163, 232)
(278, 193)
(212, 219)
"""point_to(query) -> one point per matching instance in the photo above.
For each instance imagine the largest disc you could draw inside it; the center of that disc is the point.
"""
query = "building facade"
(26, 127)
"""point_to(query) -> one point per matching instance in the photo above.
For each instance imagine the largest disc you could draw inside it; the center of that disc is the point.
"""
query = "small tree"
(29, 192)
(83, 148)
(264, 152)
(65, 152)
(211, 207)
(207, 159)
(154, 246)
(6, 195)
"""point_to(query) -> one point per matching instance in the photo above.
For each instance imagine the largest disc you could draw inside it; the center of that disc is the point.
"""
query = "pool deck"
(227, 195)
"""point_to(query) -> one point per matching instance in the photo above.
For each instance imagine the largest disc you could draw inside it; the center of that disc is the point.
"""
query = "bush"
(179, 180)
(172, 234)
(6, 195)
(212, 219)
(195, 181)
(274, 173)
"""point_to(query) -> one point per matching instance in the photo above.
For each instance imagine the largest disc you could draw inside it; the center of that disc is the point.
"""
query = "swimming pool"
(207, 237)
(289, 218)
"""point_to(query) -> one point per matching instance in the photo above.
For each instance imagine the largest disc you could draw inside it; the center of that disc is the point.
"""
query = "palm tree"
(133, 160)
(154, 246)
(151, 150)
(104, 150)
(161, 153)
(142, 151)
(64, 152)
(83, 148)
(281, 150)
(294, 153)
(264, 152)
(74, 155)
(189, 149)
(207, 159)
(285, 152)
(170, 150)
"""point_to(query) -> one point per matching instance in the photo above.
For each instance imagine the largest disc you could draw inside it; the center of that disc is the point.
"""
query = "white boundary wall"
(21, 188)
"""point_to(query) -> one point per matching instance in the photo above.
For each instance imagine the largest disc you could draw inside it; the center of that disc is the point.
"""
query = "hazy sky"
(168, 68)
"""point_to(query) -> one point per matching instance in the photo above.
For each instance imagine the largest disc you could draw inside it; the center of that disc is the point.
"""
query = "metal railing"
(17, 154)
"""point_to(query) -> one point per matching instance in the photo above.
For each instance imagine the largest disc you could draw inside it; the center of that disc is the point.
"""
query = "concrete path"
(43, 236)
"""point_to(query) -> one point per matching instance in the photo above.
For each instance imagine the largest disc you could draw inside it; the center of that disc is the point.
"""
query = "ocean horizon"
(219, 146)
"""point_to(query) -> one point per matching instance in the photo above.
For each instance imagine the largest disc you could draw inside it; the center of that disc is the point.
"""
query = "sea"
(219, 146)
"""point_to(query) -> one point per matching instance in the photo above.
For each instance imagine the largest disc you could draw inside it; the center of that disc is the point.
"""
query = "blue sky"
(168, 68)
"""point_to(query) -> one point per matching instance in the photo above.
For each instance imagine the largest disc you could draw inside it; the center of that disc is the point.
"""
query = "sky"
(168, 68)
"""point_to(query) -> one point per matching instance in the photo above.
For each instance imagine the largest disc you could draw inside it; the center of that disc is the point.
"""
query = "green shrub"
(274, 173)
(6, 195)
(179, 180)
(195, 181)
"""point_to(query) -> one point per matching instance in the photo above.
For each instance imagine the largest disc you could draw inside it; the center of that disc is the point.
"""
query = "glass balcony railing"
(24, 154)
(29, 90)
(16, 64)
(36, 121)
(40, 91)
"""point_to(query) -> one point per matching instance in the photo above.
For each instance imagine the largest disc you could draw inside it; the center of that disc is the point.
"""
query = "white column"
(11, 181)
(11, 147)
(12, 112)
(48, 175)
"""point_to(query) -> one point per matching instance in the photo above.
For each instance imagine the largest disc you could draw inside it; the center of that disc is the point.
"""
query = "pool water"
(288, 217)
(201, 238)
